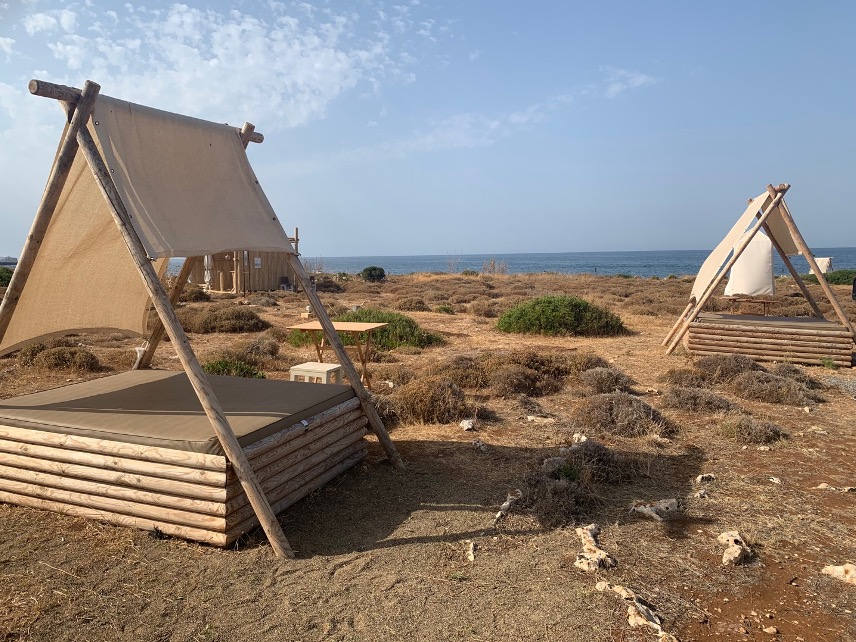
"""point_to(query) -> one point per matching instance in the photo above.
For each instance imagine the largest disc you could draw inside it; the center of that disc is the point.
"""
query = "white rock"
(537, 419)
(704, 478)
(468, 424)
(845, 573)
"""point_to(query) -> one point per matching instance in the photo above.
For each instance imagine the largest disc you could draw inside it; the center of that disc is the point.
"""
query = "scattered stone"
(845, 573)
(513, 496)
(817, 431)
(775, 480)
(737, 551)
(764, 448)
(537, 419)
(640, 612)
(702, 494)
(578, 438)
(468, 424)
(656, 510)
(470, 550)
(479, 445)
(593, 557)
(705, 478)
(772, 630)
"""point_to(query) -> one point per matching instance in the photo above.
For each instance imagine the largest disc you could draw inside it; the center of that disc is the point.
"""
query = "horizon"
(391, 130)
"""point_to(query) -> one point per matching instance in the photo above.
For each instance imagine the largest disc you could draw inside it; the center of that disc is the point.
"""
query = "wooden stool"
(316, 372)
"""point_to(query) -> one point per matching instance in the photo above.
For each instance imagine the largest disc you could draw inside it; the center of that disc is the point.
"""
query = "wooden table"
(356, 330)
(766, 303)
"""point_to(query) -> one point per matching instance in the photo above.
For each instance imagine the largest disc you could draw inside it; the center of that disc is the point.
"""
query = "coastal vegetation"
(561, 315)
(5, 276)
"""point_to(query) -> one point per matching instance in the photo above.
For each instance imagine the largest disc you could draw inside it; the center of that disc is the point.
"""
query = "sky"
(479, 126)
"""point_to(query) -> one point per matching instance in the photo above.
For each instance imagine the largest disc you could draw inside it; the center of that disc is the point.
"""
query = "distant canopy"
(189, 189)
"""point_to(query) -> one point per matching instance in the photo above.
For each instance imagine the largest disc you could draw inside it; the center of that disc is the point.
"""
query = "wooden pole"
(56, 181)
(802, 246)
(348, 366)
(144, 360)
(678, 322)
(188, 359)
(713, 285)
(797, 278)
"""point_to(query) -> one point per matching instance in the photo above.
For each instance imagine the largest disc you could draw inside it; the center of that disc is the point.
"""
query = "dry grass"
(230, 318)
(790, 371)
(685, 377)
(717, 369)
(430, 400)
(65, 358)
(619, 413)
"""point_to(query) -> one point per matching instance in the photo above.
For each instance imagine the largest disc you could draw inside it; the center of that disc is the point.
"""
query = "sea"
(661, 263)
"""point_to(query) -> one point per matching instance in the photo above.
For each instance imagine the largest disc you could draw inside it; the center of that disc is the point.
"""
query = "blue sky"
(426, 127)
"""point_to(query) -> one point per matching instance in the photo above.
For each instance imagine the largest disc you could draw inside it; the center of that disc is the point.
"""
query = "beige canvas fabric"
(186, 183)
(752, 274)
(716, 260)
(160, 408)
(824, 263)
(83, 278)
(781, 232)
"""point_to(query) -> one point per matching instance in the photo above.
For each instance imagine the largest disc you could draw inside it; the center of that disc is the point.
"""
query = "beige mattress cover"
(159, 408)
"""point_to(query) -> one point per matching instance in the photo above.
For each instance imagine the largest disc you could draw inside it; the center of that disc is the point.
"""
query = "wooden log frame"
(711, 288)
(165, 311)
(205, 504)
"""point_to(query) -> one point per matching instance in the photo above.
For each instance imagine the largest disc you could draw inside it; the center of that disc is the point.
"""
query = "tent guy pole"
(188, 359)
(59, 173)
(802, 246)
(345, 361)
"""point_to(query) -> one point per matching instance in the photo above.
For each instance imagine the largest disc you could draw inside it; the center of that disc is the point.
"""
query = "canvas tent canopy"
(768, 218)
(130, 187)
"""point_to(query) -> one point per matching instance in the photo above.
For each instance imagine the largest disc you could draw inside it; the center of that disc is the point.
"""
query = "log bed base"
(183, 494)
(804, 340)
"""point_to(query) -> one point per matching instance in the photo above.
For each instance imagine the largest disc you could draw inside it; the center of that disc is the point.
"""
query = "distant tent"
(791, 339)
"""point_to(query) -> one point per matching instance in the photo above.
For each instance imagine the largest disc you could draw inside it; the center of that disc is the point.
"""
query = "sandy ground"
(382, 554)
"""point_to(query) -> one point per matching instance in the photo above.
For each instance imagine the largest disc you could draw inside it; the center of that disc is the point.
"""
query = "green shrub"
(66, 358)
(400, 330)
(230, 318)
(836, 277)
(5, 276)
(445, 309)
(373, 274)
(561, 315)
(232, 368)
(469, 273)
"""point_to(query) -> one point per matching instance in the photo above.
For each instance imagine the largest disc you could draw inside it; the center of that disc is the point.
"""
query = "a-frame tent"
(769, 213)
(128, 189)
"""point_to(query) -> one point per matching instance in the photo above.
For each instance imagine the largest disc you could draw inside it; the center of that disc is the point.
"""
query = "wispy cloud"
(617, 80)
(473, 55)
(284, 67)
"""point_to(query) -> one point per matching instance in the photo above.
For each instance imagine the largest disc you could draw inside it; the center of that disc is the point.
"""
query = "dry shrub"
(65, 358)
(430, 400)
(722, 368)
(277, 334)
(262, 300)
(790, 371)
(619, 413)
(411, 304)
(602, 380)
(581, 361)
(557, 499)
(685, 377)
(753, 431)
(397, 373)
(27, 355)
(696, 400)
(465, 371)
(482, 307)
(600, 464)
(511, 378)
(334, 308)
(194, 294)
(763, 386)
(230, 318)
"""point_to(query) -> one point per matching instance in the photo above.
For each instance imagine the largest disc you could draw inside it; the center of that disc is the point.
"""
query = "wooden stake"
(47, 206)
(678, 322)
(348, 366)
(144, 359)
(715, 283)
(188, 359)
(796, 276)
(803, 247)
